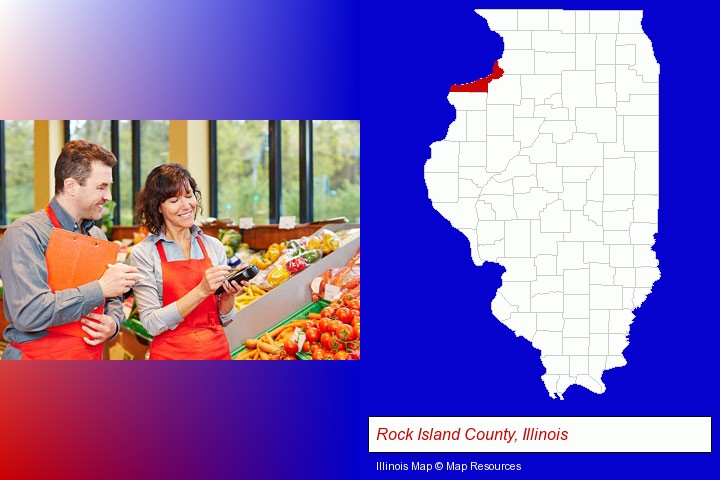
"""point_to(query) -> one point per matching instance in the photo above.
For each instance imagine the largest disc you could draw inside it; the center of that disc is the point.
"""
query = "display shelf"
(289, 296)
(302, 313)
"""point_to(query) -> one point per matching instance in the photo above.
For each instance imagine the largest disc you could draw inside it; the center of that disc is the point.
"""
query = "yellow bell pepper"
(330, 243)
(278, 275)
(314, 243)
(273, 252)
(261, 262)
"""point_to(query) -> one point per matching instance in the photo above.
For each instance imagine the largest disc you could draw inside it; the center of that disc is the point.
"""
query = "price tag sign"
(298, 336)
(287, 223)
(246, 223)
(331, 291)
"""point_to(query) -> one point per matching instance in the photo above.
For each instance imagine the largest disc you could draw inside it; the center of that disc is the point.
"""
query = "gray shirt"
(149, 289)
(30, 305)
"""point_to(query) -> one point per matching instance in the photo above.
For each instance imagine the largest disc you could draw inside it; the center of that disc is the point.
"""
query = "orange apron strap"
(53, 218)
(161, 251)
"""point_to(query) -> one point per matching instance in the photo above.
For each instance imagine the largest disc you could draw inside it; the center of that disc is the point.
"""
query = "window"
(336, 169)
(245, 154)
(143, 143)
(95, 131)
(242, 170)
(125, 167)
(16, 169)
(154, 145)
(290, 131)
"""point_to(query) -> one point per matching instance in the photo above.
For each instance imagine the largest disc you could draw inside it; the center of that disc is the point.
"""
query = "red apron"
(200, 336)
(64, 342)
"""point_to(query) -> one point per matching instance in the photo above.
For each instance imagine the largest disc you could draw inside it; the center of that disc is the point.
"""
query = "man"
(46, 323)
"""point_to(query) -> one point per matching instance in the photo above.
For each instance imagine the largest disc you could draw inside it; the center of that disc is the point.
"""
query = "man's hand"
(118, 279)
(98, 327)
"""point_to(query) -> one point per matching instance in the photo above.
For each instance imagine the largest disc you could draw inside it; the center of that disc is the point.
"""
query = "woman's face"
(179, 211)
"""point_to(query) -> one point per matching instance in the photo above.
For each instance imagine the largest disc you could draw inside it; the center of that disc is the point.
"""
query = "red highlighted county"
(481, 84)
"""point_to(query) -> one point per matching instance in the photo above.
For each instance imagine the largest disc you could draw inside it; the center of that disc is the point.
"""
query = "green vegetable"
(232, 239)
(312, 256)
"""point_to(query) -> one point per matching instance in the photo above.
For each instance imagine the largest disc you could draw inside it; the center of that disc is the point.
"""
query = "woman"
(180, 269)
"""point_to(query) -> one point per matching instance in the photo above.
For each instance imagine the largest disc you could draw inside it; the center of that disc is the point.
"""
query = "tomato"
(318, 355)
(335, 304)
(291, 357)
(314, 347)
(355, 321)
(308, 324)
(356, 313)
(344, 332)
(325, 340)
(353, 305)
(341, 355)
(312, 335)
(356, 331)
(336, 345)
(291, 348)
(328, 356)
(327, 312)
(323, 324)
(334, 324)
(347, 298)
(343, 314)
(306, 347)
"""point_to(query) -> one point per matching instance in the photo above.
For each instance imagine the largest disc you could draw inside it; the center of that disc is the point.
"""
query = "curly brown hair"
(76, 159)
(163, 182)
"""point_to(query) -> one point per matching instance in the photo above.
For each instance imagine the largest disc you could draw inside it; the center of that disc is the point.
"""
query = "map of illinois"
(551, 169)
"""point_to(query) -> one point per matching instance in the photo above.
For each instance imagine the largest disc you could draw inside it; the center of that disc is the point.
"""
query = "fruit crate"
(315, 307)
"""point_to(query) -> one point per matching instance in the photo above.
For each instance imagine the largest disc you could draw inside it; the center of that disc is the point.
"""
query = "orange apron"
(200, 336)
(66, 341)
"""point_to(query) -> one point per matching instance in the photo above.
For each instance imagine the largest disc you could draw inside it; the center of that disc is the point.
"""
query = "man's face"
(95, 192)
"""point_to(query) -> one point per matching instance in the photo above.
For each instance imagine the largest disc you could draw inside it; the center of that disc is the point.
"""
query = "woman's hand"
(227, 299)
(214, 277)
(232, 289)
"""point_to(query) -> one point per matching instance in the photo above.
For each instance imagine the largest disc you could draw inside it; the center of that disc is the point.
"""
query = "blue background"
(430, 344)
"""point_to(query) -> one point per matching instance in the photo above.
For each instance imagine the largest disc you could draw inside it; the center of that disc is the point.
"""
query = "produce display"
(250, 294)
(338, 282)
(234, 246)
(283, 260)
(336, 334)
(325, 330)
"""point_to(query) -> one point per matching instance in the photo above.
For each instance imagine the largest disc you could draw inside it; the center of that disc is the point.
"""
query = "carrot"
(284, 331)
(314, 316)
(294, 323)
(251, 343)
(264, 356)
(266, 347)
(268, 338)
(282, 338)
(245, 355)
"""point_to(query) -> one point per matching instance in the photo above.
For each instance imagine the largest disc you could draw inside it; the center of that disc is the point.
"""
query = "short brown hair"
(76, 159)
(163, 182)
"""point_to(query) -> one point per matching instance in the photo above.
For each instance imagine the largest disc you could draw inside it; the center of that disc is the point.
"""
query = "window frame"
(275, 167)
(3, 217)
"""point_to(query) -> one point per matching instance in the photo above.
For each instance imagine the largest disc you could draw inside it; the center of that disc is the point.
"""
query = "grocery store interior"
(282, 196)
